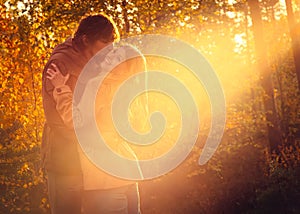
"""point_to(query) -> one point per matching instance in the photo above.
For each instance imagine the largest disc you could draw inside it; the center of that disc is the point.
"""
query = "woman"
(104, 193)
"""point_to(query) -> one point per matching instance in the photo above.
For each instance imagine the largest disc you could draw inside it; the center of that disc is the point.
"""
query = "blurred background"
(254, 47)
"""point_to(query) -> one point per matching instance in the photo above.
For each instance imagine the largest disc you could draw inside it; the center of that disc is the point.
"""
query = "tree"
(294, 28)
(273, 126)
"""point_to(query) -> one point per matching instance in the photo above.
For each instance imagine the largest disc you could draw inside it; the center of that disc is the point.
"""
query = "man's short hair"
(97, 27)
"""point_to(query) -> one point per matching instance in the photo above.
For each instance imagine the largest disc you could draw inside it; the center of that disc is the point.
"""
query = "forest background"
(254, 47)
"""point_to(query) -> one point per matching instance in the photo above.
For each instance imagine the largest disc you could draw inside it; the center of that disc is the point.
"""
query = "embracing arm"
(62, 95)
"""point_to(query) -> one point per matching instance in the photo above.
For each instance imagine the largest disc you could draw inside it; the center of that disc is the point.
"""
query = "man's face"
(97, 46)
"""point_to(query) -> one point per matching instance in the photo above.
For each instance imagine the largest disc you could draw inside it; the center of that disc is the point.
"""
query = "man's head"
(94, 33)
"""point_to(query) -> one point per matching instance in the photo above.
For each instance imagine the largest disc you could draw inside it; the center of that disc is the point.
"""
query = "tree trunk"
(274, 134)
(295, 40)
(125, 15)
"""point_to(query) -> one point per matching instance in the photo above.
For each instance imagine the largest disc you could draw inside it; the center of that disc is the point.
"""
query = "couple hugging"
(75, 184)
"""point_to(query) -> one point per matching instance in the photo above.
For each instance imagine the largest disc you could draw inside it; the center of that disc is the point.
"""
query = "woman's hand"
(56, 77)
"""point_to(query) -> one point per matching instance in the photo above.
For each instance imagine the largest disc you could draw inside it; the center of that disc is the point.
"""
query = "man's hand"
(56, 77)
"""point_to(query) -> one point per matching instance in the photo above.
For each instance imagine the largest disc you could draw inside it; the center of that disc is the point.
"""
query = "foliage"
(280, 192)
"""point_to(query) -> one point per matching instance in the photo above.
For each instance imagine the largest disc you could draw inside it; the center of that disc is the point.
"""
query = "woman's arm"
(62, 95)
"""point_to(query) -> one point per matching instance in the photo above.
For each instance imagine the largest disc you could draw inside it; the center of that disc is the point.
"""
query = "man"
(104, 193)
(59, 147)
